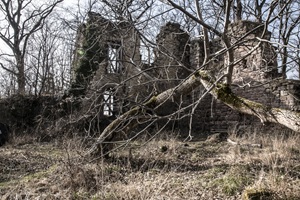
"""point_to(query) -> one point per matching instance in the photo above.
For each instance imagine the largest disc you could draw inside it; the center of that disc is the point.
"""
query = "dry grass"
(276, 164)
(163, 168)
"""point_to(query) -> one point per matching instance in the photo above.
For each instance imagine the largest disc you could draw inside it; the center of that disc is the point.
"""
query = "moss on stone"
(256, 194)
(90, 55)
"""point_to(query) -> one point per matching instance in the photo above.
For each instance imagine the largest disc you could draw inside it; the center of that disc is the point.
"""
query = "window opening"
(114, 58)
(108, 107)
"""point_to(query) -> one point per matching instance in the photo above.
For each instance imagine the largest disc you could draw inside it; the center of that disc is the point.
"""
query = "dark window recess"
(244, 63)
(114, 58)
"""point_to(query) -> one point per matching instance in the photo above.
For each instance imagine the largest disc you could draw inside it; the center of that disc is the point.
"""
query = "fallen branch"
(220, 91)
(245, 144)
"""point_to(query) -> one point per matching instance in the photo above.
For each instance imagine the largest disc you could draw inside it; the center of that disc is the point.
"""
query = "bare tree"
(41, 57)
(19, 21)
(288, 21)
(48, 58)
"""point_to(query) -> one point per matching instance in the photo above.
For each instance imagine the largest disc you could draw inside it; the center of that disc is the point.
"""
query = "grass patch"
(234, 180)
(163, 168)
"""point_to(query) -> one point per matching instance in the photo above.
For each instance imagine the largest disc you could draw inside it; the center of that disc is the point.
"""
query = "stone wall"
(286, 94)
(171, 63)
(255, 78)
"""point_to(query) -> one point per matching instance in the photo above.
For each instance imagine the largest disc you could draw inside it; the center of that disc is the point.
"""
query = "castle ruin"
(108, 71)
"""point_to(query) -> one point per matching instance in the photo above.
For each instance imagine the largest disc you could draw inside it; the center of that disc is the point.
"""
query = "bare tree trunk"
(239, 10)
(21, 82)
(258, 10)
(20, 71)
(284, 59)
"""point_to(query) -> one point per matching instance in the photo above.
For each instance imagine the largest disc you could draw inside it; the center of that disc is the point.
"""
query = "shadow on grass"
(144, 165)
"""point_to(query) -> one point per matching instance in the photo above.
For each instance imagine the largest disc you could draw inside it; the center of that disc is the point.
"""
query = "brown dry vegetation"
(163, 168)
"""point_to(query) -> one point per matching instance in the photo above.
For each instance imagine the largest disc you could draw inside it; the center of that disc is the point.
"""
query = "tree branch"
(195, 18)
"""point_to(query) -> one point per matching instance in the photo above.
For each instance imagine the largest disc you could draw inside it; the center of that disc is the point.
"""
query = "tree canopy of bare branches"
(19, 21)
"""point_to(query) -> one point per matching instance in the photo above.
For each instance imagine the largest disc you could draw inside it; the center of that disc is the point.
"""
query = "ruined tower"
(252, 42)
(107, 52)
(172, 55)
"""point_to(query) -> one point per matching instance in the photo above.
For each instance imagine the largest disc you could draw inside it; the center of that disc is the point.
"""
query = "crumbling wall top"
(173, 48)
(173, 29)
(240, 28)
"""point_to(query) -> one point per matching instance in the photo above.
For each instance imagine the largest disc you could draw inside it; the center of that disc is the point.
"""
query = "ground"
(162, 168)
